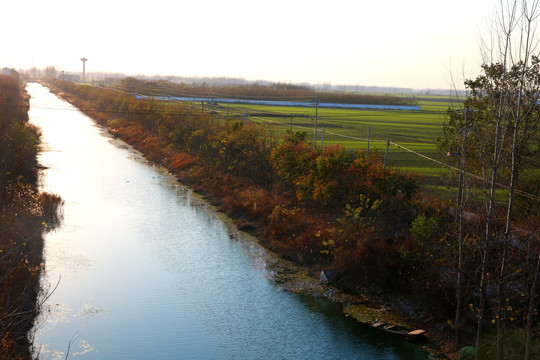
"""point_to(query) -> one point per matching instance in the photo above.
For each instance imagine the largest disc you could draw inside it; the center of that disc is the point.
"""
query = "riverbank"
(25, 214)
(287, 274)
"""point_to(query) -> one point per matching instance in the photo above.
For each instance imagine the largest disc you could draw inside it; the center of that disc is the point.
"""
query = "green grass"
(415, 130)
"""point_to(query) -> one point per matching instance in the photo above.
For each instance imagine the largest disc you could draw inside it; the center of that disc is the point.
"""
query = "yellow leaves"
(376, 205)
(329, 243)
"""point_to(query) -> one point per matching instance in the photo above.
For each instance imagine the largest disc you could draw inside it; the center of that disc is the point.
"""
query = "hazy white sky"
(415, 43)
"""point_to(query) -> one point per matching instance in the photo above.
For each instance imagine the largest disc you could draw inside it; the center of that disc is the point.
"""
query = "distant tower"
(84, 60)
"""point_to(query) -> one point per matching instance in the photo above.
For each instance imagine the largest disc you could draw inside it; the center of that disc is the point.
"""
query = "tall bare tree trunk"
(488, 235)
(528, 18)
(460, 204)
(484, 273)
(530, 312)
(506, 23)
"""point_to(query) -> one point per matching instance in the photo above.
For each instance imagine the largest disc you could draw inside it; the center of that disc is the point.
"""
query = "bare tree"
(517, 104)
(491, 165)
(528, 16)
(530, 311)
(504, 115)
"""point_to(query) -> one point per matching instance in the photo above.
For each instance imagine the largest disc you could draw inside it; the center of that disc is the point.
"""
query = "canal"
(143, 270)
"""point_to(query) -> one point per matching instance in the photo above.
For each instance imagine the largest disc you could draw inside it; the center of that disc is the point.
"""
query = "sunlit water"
(144, 272)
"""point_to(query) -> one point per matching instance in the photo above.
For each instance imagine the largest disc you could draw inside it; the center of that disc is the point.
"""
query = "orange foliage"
(258, 202)
(180, 161)
(371, 260)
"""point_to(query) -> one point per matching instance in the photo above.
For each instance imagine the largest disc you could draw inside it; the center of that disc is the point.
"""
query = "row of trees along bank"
(496, 139)
(336, 209)
(24, 213)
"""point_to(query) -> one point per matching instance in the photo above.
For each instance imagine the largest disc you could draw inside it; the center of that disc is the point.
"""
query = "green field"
(414, 130)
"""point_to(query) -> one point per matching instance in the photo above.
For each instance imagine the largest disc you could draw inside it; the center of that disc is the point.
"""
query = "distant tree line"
(273, 91)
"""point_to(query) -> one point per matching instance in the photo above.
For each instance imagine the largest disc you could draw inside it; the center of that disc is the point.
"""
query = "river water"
(145, 271)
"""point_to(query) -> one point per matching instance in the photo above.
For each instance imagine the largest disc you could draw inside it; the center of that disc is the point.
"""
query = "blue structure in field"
(283, 103)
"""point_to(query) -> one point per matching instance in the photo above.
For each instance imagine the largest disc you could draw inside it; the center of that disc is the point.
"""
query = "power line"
(399, 146)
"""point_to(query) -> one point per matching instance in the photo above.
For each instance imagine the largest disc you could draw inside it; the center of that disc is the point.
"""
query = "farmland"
(414, 130)
(412, 134)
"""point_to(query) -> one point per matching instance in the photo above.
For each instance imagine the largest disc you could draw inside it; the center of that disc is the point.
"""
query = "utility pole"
(368, 135)
(386, 153)
(291, 123)
(84, 60)
(316, 117)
